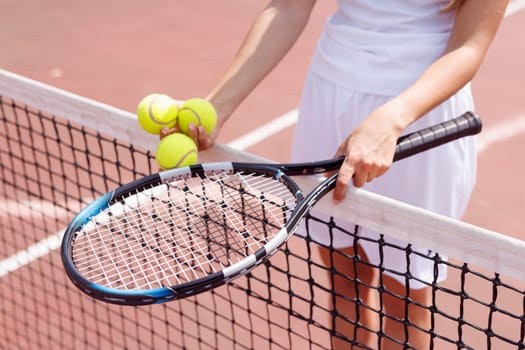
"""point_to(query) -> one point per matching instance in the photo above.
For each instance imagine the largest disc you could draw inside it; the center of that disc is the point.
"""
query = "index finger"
(344, 177)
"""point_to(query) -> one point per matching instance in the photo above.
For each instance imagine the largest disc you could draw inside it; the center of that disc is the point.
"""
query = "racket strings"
(182, 230)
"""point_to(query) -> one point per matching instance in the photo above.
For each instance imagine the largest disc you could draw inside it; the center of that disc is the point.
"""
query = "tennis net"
(58, 151)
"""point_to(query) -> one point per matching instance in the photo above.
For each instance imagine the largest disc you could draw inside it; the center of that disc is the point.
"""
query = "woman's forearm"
(271, 36)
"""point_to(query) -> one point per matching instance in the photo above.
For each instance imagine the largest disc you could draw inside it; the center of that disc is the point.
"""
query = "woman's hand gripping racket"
(184, 231)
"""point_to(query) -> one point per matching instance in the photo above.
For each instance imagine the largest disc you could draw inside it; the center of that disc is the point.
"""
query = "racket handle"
(436, 135)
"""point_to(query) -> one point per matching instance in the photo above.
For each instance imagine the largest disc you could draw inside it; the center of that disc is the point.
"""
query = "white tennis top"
(382, 46)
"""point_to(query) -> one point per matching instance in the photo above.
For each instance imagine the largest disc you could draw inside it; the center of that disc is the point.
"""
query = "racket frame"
(168, 293)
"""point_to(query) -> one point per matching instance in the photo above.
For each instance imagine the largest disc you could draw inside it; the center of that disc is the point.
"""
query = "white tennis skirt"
(440, 180)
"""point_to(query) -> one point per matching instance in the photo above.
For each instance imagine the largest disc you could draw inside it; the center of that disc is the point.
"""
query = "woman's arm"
(474, 29)
(269, 39)
(369, 149)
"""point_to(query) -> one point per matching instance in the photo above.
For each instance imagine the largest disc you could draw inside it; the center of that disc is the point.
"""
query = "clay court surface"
(117, 51)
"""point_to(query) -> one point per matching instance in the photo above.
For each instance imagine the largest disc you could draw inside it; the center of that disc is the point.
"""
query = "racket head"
(179, 232)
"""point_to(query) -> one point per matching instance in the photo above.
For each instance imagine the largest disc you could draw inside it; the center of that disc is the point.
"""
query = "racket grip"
(465, 125)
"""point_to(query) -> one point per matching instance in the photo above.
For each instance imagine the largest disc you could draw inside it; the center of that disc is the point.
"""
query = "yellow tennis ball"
(176, 150)
(199, 112)
(157, 111)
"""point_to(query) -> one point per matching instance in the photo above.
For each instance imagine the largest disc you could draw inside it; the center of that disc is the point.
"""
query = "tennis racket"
(187, 230)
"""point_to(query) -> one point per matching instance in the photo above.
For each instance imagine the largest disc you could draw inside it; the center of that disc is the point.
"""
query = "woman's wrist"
(223, 107)
(398, 114)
